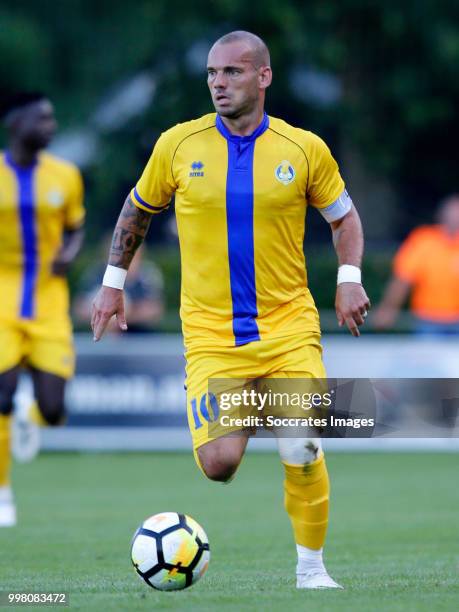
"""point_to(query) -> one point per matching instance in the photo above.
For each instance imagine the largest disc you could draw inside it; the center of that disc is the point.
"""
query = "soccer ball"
(170, 551)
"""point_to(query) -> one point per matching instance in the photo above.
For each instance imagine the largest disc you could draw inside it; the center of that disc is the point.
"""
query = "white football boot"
(25, 434)
(316, 579)
(7, 508)
(311, 572)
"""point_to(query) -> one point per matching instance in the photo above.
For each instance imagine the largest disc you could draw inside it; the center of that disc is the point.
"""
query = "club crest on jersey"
(55, 198)
(285, 172)
(197, 168)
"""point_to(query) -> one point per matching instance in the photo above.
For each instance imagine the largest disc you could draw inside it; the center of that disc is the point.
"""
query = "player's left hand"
(351, 305)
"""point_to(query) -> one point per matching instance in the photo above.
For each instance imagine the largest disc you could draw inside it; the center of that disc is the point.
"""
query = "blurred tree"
(376, 79)
(25, 49)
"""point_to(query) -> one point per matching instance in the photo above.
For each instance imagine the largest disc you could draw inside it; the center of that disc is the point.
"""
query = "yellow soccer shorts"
(44, 345)
(213, 371)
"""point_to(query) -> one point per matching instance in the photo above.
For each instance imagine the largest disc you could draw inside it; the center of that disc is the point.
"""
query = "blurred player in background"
(143, 293)
(242, 182)
(41, 218)
(427, 266)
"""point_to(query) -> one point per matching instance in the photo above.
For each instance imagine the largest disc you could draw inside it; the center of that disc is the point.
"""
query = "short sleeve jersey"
(37, 204)
(240, 204)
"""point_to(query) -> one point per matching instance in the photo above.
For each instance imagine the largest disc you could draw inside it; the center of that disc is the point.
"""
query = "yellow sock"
(36, 416)
(307, 490)
(5, 454)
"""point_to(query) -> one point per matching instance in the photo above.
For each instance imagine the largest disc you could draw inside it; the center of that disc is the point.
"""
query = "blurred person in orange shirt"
(427, 266)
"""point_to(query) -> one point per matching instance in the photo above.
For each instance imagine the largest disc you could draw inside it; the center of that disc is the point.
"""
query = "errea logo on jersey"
(285, 172)
(197, 168)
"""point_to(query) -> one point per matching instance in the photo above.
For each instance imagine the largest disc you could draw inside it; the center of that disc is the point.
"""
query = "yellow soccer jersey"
(240, 204)
(37, 204)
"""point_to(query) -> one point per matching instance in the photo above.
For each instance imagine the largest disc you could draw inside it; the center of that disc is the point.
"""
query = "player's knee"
(217, 467)
(53, 413)
(6, 401)
(219, 471)
(6, 408)
(54, 420)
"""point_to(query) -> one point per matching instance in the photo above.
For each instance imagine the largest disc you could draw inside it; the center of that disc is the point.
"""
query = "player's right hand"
(108, 302)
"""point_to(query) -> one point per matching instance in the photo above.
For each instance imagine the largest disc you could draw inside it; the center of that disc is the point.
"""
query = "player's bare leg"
(44, 408)
(49, 392)
(8, 384)
(307, 489)
(220, 458)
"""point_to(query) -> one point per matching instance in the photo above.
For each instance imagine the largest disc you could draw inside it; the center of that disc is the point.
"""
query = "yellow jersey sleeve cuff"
(334, 195)
(140, 203)
(74, 223)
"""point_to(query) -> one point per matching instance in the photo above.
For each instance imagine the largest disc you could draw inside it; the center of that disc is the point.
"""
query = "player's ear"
(265, 76)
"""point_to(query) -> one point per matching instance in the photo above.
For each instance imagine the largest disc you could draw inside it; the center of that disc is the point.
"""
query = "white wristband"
(114, 277)
(349, 274)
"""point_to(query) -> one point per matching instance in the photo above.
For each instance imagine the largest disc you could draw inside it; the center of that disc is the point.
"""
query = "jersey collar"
(9, 160)
(221, 127)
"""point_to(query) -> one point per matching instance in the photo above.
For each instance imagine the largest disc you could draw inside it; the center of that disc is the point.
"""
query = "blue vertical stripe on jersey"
(25, 179)
(239, 218)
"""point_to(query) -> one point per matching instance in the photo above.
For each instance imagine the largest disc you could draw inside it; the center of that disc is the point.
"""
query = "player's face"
(235, 83)
(36, 124)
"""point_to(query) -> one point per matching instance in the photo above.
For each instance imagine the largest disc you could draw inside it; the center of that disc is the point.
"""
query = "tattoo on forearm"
(348, 241)
(130, 231)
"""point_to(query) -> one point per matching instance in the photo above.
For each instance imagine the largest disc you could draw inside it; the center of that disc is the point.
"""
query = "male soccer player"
(242, 182)
(41, 217)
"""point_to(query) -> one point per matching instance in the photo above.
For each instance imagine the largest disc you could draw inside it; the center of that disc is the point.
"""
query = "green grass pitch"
(393, 540)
